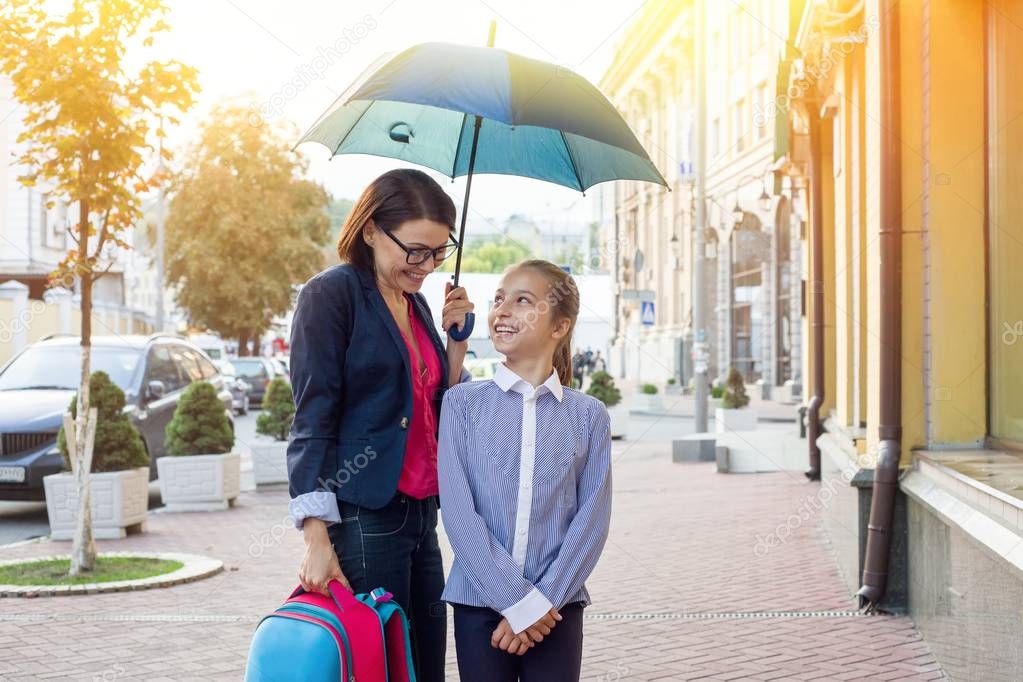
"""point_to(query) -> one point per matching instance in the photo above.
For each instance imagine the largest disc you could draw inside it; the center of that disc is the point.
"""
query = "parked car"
(257, 372)
(213, 346)
(36, 386)
(239, 388)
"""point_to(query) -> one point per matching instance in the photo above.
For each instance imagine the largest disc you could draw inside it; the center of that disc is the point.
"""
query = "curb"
(772, 420)
(195, 567)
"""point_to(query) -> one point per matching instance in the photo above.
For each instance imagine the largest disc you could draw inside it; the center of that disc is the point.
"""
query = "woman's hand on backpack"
(320, 564)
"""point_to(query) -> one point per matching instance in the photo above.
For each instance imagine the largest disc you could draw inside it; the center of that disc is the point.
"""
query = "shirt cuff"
(527, 610)
(319, 504)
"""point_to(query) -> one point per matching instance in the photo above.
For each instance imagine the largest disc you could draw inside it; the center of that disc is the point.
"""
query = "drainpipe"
(886, 471)
(813, 408)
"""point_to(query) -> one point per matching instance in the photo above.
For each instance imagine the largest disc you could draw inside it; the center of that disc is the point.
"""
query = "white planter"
(619, 420)
(199, 482)
(647, 402)
(270, 461)
(119, 501)
(743, 419)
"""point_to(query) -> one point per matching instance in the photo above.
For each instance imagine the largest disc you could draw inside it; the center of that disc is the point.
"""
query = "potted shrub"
(270, 457)
(672, 387)
(647, 400)
(602, 387)
(118, 478)
(734, 415)
(200, 471)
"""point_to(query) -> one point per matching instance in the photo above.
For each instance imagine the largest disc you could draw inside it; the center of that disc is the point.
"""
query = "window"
(715, 138)
(161, 367)
(1005, 231)
(761, 116)
(739, 125)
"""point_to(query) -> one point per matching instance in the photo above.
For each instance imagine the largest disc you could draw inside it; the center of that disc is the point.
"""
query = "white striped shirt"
(523, 549)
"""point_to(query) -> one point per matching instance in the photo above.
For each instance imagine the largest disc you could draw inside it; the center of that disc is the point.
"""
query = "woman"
(368, 373)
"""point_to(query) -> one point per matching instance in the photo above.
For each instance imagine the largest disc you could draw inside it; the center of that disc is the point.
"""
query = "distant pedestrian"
(578, 368)
(598, 363)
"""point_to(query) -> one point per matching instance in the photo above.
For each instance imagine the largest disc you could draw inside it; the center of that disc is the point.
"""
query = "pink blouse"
(419, 472)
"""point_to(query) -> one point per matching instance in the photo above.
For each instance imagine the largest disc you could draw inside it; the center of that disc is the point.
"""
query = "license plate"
(12, 474)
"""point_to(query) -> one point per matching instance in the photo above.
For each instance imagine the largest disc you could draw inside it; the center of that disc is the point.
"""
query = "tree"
(278, 411)
(199, 425)
(735, 395)
(491, 256)
(602, 387)
(118, 445)
(88, 124)
(243, 227)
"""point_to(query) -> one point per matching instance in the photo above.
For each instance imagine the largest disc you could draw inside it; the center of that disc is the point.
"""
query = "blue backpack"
(343, 637)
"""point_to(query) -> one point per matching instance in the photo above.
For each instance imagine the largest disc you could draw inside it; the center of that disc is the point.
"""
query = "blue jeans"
(396, 548)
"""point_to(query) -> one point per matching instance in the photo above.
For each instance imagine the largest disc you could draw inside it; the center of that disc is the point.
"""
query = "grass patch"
(107, 569)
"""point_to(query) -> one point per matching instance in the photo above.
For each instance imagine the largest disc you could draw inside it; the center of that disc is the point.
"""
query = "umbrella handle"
(462, 334)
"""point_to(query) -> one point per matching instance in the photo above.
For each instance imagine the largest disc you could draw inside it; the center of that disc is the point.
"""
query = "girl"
(525, 485)
(368, 371)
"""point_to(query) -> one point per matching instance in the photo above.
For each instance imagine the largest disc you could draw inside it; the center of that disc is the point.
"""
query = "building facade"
(753, 248)
(904, 126)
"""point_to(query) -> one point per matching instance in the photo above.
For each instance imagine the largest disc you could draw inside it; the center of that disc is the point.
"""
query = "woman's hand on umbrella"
(456, 305)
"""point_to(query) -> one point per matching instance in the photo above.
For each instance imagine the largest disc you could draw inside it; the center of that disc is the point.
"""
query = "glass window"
(1005, 229)
(161, 367)
(188, 361)
(250, 369)
(739, 123)
(52, 366)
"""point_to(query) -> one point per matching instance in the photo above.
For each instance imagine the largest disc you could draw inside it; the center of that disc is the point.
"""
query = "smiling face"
(389, 259)
(522, 320)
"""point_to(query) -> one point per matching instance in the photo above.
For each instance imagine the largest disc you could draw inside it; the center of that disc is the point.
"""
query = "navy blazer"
(352, 386)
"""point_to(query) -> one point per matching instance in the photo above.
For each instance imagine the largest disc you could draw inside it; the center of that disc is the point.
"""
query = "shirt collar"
(508, 380)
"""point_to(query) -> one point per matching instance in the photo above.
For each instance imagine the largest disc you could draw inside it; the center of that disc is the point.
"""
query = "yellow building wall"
(913, 198)
(956, 226)
(7, 329)
(845, 259)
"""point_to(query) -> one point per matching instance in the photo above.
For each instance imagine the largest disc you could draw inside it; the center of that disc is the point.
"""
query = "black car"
(36, 386)
(257, 372)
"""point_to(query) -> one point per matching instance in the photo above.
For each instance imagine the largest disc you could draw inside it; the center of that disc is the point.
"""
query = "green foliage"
(717, 392)
(118, 445)
(200, 425)
(649, 389)
(735, 391)
(490, 256)
(602, 387)
(243, 206)
(671, 381)
(278, 410)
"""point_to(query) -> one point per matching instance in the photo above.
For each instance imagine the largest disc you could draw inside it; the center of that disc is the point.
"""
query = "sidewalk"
(679, 405)
(685, 590)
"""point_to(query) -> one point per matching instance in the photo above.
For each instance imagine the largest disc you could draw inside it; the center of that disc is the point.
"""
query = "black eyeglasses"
(420, 256)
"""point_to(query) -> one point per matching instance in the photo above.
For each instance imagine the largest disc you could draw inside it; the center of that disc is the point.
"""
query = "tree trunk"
(243, 344)
(83, 548)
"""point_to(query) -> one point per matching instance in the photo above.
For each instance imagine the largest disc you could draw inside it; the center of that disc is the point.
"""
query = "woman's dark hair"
(393, 198)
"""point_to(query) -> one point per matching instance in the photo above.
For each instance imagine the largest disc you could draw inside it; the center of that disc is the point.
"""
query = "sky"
(257, 48)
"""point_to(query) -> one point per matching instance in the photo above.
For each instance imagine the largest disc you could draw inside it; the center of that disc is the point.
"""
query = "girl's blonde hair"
(563, 300)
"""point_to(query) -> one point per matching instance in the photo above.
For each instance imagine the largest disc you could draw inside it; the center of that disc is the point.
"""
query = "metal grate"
(227, 618)
(16, 443)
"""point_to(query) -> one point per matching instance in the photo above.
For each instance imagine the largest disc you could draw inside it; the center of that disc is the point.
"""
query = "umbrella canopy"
(539, 120)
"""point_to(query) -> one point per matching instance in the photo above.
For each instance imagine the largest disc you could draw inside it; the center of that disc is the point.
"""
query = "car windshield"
(249, 369)
(59, 367)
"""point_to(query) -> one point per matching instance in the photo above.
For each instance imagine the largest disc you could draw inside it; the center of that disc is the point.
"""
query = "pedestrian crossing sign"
(646, 313)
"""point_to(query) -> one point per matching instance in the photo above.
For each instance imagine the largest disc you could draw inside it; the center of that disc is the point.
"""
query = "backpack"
(343, 637)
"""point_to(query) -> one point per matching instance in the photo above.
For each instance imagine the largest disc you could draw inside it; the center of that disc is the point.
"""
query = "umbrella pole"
(454, 332)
